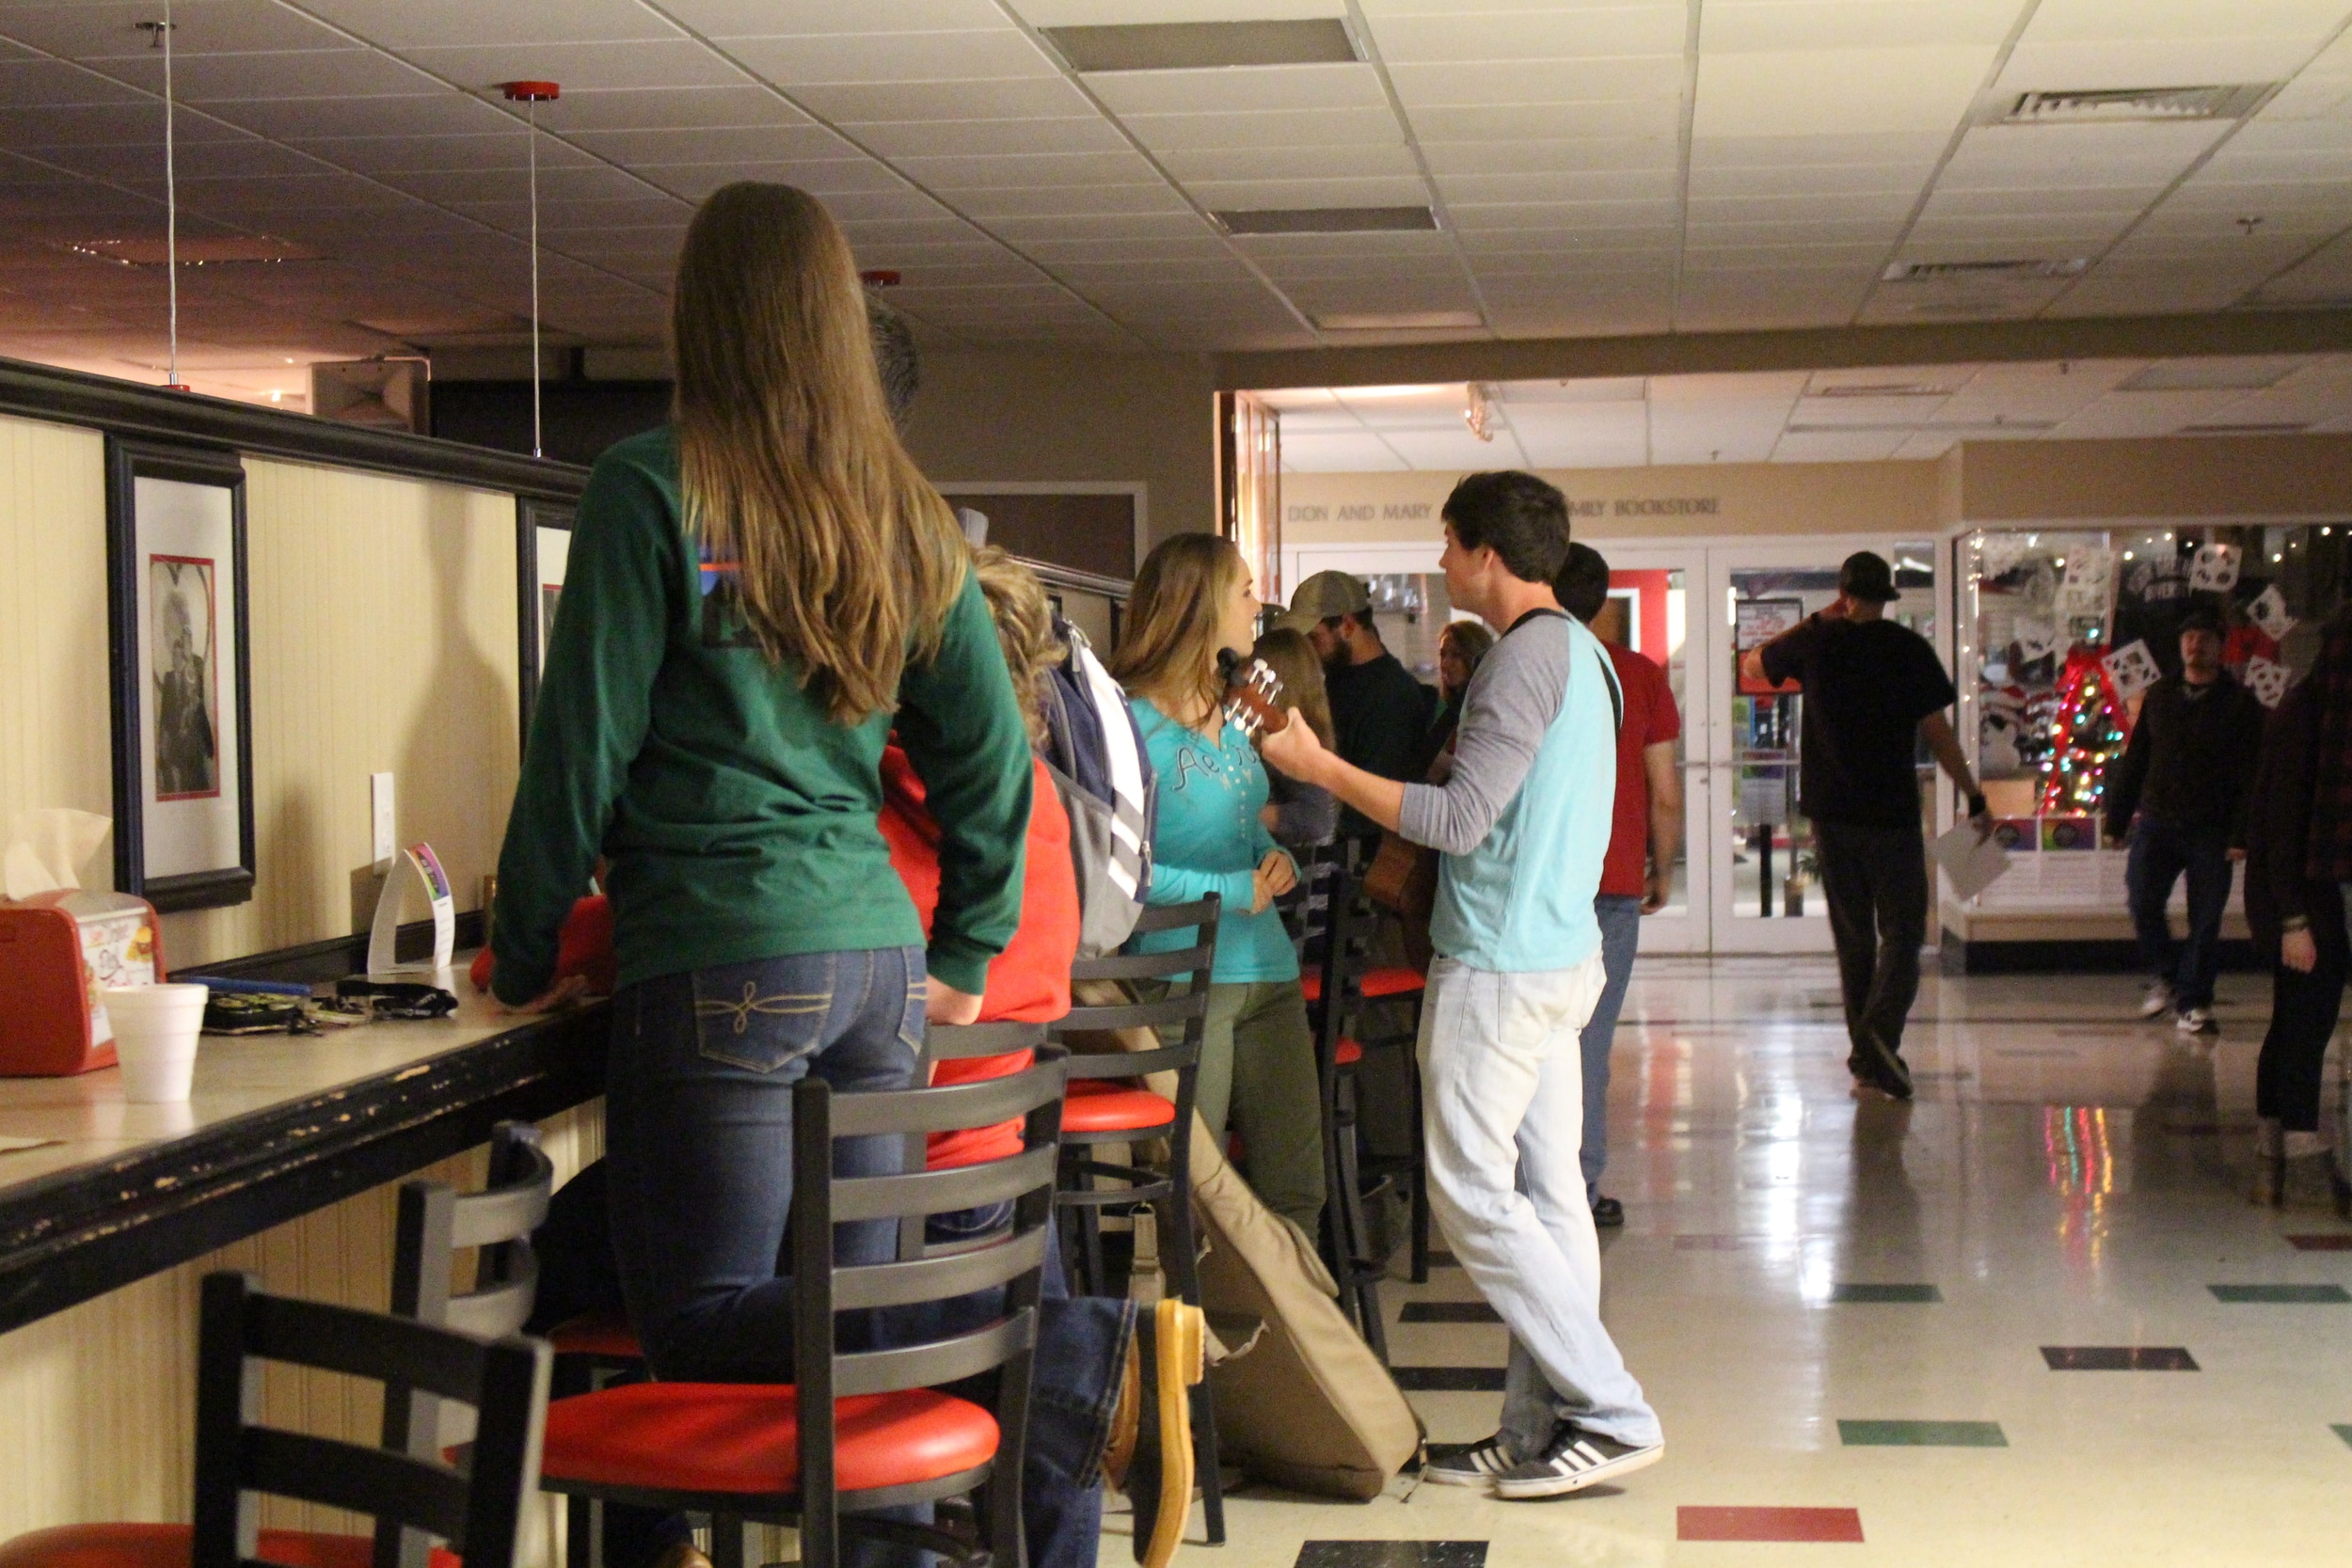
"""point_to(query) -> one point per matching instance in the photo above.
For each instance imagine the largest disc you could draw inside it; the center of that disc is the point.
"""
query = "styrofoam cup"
(155, 1034)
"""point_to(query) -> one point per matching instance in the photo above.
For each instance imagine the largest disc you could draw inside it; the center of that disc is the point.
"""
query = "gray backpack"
(1096, 757)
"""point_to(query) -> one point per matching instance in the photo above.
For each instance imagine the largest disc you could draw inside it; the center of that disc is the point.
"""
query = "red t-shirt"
(1029, 981)
(1650, 718)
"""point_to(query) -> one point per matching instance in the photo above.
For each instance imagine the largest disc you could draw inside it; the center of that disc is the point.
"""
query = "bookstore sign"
(1421, 512)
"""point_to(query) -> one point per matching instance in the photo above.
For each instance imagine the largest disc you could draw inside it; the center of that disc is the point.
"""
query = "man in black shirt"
(2186, 773)
(1379, 712)
(1872, 690)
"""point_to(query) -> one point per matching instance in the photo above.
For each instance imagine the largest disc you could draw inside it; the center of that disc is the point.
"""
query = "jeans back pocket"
(760, 1015)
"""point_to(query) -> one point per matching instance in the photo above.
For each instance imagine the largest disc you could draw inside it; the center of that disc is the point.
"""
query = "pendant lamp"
(531, 95)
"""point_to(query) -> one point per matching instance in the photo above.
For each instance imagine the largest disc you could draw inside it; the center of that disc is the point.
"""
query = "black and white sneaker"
(1468, 1464)
(1575, 1458)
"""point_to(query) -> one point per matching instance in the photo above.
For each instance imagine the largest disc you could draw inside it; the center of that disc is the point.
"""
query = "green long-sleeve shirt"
(738, 818)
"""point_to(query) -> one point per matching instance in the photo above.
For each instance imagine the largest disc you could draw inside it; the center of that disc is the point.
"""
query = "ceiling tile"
(721, 19)
(654, 62)
(1504, 33)
(306, 73)
(1589, 155)
(2144, 62)
(794, 63)
(1041, 170)
(1548, 121)
(96, 28)
(1860, 206)
(716, 144)
(1277, 162)
(1771, 152)
(1632, 77)
(1249, 130)
(1877, 90)
(99, 124)
(30, 83)
(944, 138)
(404, 23)
(1836, 447)
(504, 148)
(1811, 180)
(1612, 187)
(433, 114)
(1254, 90)
(830, 180)
(1072, 202)
(1728, 26)
(1005, 99)
(665, 109)
(1254, 195)
(1362, 452)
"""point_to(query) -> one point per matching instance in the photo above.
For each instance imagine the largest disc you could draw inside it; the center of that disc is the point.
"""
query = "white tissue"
(46, 849)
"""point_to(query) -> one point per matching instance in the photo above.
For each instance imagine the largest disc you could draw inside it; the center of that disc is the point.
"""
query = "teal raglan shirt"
(1207, 838)
(738, 819)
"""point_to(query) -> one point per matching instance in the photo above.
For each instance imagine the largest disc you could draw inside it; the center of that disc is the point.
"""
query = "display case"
(2059, 628)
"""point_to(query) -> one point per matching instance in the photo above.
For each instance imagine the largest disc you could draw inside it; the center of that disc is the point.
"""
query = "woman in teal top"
(1192, 599)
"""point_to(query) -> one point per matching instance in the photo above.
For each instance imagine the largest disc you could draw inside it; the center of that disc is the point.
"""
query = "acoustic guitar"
(1253, 695)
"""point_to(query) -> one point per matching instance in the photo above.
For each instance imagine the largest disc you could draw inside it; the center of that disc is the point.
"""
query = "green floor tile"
(1885, 1293)
(2281, 1295)
(1922, 1435)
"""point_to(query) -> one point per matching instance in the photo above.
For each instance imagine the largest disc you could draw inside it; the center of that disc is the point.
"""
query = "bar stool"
(859, 1432)
(1106, 1107)
(432, 1224)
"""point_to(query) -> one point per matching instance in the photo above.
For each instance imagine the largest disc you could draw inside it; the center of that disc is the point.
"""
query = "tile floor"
(1880, 1334)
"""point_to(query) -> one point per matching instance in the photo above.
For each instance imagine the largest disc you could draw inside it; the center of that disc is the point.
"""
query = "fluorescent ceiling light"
(1359, 395)
(1398, 320)
(2209, 375)
(2001, 271)
(196, 251)
(1204, 45)
(2125, 105)
(1324, 220)
(1881, 390)
(1999, 426)
(2251, 427)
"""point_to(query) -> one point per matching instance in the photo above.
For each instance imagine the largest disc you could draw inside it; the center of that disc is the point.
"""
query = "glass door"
(1654, 597)
(1764, 878)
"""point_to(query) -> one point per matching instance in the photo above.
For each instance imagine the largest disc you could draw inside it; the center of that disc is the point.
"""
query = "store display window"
(2061, 629)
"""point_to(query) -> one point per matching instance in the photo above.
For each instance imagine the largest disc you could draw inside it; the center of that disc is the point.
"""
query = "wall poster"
(181, 679)
(543, 546)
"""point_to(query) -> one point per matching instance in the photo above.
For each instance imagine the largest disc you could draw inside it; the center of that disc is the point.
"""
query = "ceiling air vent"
(1204, 45)
(1984, 271)
(1399, 321)
(1324, 220)
(2249, 427)
(2116, 105)
(1881, 390)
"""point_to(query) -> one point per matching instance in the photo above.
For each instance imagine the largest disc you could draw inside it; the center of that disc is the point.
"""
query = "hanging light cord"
(172, 206)
(532, 110)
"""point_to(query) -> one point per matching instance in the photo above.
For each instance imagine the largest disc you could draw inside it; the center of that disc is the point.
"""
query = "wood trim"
(79, 1233)
(127, 409)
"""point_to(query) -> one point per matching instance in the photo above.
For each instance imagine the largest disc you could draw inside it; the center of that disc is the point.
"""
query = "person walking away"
(1191, 600)
(1379, 712)
(1645, 837)
(1522, 826)
(2186, 774)
(2299, 920)
(1300, 816)
(1873, 690)
(756, 587)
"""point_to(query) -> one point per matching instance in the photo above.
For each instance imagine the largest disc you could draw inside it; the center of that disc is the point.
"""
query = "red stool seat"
(137, 1545)
(605, 1334)
(1106, 1105)
(743, 1436)
(1377, 983)
(1348, 1052)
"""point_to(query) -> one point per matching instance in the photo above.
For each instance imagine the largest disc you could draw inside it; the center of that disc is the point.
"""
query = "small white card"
(2089, 582)
(2269, 612)
(2132, 669)
(2268, 681)
(421, 868)
(2215, 570)
(1971, 863)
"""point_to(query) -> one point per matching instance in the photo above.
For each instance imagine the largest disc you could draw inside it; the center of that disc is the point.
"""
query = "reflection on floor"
(1854, 1316)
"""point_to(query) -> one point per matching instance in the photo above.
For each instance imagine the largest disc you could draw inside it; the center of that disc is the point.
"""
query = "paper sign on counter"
(1971, 863)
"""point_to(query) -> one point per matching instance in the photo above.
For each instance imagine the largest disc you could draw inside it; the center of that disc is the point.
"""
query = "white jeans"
(1503, 1083)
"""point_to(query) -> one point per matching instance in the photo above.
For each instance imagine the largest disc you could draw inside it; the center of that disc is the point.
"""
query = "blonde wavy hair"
(1300, 668)
(1024, 629)
(1169, 651)
(791, 470)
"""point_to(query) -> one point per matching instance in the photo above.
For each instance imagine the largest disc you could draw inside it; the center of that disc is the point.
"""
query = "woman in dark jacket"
(2300, 922)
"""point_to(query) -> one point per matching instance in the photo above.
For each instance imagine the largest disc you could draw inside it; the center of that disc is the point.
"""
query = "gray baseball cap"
(1322, 596)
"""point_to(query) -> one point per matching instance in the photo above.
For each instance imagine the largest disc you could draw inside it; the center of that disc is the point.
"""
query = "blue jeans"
(698, 1128)
(2160, 854)
(1620, 916)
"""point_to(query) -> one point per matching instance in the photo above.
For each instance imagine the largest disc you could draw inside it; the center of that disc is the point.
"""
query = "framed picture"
(182, 689)
(543, 544)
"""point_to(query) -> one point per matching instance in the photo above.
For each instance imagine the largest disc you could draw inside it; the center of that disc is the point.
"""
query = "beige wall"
(2217, 476)
(1667, 502)
(383, 640)
(1032, 415)
(55, 744)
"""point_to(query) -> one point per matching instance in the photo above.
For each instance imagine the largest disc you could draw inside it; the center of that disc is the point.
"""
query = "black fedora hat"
(1867, 575)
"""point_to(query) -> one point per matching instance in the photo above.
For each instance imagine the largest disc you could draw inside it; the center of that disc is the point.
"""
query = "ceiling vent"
(2125, 105)
(196, 251)
(1881, 390)
(1996, 427)
(1326, 220)
(1984, 272)
(2219, 374)
(2250, 427)
(1204, 45)
(1400, 321)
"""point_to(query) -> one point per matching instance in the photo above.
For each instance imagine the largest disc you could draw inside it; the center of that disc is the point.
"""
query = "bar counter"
(277, 1126)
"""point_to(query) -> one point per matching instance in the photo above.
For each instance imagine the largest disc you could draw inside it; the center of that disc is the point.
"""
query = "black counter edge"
(130, 408)
(314, 962)
(69, 1237)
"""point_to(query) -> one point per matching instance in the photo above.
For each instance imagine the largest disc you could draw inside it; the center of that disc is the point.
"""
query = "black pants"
(1876, 881)
(2303, 1012)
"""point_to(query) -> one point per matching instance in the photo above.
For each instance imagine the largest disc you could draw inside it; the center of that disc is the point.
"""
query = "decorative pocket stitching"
(784, 1005)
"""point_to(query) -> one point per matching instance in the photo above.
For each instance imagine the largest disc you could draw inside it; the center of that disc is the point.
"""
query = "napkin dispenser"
(56, 950)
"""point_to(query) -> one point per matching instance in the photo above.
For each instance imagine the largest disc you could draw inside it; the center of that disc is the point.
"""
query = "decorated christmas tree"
(2087, 732)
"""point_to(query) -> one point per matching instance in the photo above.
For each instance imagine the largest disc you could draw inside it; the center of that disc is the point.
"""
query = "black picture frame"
(128, 461)
(532, 514)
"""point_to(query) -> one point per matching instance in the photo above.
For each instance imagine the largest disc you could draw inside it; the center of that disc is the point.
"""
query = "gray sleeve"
(1511, 702)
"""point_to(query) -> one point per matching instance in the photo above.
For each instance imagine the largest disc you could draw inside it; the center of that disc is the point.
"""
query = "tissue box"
(55, 950)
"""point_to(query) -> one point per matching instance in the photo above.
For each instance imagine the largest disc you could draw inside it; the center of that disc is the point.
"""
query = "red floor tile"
(1768, 1524)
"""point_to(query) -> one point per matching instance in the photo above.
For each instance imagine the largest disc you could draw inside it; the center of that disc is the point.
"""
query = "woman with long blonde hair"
(1192, 600)
(757, 593)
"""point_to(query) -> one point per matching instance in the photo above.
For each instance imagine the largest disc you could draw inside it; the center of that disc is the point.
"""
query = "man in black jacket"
(2185, 773)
